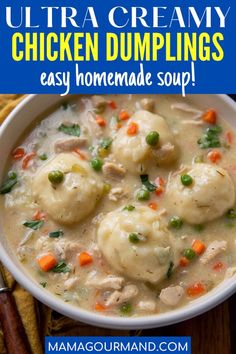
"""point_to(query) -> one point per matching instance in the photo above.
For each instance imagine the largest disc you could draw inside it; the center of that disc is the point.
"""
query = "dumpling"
(210, 195)
(134, 152)
(136, 244)
(74, 198)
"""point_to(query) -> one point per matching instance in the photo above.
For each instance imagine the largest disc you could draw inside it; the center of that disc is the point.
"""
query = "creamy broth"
(130, 223)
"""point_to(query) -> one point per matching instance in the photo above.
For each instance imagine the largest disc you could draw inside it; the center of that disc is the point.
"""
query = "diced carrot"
(229, 137)
(27, 159)
(183, 262)
(196, 289)
(159, 181)
(39, 215)
(85, 258)
(123, 115)
(209, 116)
(132, 129)
(81, 154)
(218, 266)
(47, 262)
(118, 126)
(153, 205)
(99, 307)
(18, 153)
(198, 246)
(101, 121)
(214, 156)
(112, 104)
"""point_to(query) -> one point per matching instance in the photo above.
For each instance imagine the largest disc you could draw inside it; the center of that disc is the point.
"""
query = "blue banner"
(111, 345)
(117, 46)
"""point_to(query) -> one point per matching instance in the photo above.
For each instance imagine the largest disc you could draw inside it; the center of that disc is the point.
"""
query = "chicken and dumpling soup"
(124, 204)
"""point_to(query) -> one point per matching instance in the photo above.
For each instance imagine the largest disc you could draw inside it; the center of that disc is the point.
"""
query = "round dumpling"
(136, 244)
(134, 152)
(73, 199)
(209, 196)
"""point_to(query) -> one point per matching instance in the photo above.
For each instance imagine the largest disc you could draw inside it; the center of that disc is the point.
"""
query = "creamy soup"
(124, 204)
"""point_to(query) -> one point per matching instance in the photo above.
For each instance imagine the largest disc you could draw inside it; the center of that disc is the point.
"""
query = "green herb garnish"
(61, 267)
(73, 129)
(210, 138)
(34, 224)
(129, 208)
(43, 283)
(9, 183)
(147, 184)
(106, 143)
(170, 270)
(56, 234)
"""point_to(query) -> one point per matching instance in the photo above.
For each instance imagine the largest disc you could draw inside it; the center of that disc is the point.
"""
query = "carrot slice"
(27, 159)
(101, 121)
(85, 258)
(18, 153)
(132, 129)
(209, 116)
(99, 307)
(198, 246)
(81, 154)
(218, 266)
(183, 262)
(153, 205)
(214, 156)
(47, 262)
(123, 115)
(39, 215)
(112, 104)
(229, 137)
(196, 289)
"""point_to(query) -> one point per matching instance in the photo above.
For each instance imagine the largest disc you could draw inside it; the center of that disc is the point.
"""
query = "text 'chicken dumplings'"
(124, 205)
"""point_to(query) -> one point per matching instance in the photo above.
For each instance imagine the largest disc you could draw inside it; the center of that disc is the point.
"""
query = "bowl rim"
(196, 308)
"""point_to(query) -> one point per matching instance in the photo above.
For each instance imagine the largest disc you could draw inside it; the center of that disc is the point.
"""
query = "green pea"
(175, 222)
(189, 253)
(152, 138)
(126, 308)
(43, 157)
(129, 207)
(186, 180)
(231, 214)
(96, 164)
(134, 237)
(143, 194)
(56, 177)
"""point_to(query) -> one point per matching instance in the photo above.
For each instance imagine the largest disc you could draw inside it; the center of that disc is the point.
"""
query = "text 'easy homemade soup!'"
(124, 204)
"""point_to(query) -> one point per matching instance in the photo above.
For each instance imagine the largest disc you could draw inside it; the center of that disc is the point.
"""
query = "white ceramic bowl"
(10, 132)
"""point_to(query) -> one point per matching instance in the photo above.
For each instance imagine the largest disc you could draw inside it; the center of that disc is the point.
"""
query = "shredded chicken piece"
(108, 282)
(118, 297)
(113, 171)
(191, 121)
(148, 104)
(164, 151)
(148, 305)
(71, 283)
(117, 193)
(27, 237)
(172, 295)
(67, 249)
(66, 145)
(23, 251)
(184, 107)
(162, 212)
(213, 250)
